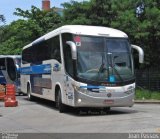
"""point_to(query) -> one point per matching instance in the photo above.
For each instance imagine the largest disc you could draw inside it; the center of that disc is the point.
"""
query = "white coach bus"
(81, 66)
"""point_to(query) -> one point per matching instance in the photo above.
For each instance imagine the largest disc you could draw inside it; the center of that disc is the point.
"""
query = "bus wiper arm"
(113, 67)
(102, 67)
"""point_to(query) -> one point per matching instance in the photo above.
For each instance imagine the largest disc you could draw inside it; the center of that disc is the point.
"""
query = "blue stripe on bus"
(36, 69)
(92, 87)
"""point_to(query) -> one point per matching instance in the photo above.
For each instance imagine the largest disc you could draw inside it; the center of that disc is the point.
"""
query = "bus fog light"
(79, 100)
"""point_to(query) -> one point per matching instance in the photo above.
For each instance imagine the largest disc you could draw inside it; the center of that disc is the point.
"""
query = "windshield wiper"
(102, 67)
(112, 65)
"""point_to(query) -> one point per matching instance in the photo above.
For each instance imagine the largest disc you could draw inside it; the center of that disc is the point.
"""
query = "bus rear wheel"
(59, 104)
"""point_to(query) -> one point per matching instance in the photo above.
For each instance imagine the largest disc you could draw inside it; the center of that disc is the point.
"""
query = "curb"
(147, 101)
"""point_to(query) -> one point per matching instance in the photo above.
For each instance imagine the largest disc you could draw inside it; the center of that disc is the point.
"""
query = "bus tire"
(30, 97)
(59, 104)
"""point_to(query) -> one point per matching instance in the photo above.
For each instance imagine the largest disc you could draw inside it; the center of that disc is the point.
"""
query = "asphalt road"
(41, 116)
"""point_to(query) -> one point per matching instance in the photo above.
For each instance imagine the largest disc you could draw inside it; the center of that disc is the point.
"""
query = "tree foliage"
(94, 12)
(76, 13)
(18, 34)
(46, 20)
(143, 30)
(2, 22)
(21, 32)
(2, 18)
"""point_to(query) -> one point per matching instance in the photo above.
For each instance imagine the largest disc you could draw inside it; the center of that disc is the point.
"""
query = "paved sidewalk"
(148, 101)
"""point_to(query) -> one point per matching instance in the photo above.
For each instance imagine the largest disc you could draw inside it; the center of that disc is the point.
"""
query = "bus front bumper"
(84, 100)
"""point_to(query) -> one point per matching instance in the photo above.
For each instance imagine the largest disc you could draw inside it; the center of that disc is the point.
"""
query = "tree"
(143, 30)
(46, 20)
(76, 13)
(101, 13)
(22, 32)
(94, 12)
(18, 34)
(2, 18)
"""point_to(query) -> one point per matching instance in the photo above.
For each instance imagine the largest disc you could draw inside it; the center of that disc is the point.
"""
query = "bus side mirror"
(73, 49)
(140, 52)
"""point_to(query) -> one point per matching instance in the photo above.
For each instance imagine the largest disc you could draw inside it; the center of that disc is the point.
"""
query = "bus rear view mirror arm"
(140, 52)
(73, 49)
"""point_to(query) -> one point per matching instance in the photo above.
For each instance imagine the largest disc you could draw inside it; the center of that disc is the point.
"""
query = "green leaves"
(2, 18)
(22, 32)
(46, 20)
(76, 13)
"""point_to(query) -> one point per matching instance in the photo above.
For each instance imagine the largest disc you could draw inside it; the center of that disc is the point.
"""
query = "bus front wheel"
(30, 97)
(59, 104)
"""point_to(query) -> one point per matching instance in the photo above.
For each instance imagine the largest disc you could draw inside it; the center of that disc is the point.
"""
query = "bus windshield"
(100, 58)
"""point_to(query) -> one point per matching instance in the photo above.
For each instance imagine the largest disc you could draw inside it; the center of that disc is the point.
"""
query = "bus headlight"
(130, 91)
(82, 90)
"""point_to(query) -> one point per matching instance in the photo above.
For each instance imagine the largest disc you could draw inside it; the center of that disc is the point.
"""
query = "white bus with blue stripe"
(81, 66)
(10, 70)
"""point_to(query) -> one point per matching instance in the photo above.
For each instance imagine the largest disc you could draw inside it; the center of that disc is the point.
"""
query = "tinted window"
(2, 64)
(54, 50)
(117, 45)
(45, 50)
(67, 53)
(91, 44)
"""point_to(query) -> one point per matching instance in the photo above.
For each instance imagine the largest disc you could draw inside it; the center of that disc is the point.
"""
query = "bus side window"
(2, 64)
(56, 55)
(55, 48)
(27, 56)
(67, 53)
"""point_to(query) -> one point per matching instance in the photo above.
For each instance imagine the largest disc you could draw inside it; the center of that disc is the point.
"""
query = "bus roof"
(82, 30)
(10, 56)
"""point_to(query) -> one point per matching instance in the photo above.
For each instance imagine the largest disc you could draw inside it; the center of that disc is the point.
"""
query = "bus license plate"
(110, 101)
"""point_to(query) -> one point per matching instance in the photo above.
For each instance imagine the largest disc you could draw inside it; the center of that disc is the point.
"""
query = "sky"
(7, 7)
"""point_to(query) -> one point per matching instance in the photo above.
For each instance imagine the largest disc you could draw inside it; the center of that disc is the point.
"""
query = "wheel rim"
(29, 96)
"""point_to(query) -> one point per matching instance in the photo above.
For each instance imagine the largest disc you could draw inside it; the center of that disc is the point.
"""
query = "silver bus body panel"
(90, 101)
(97, 99)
